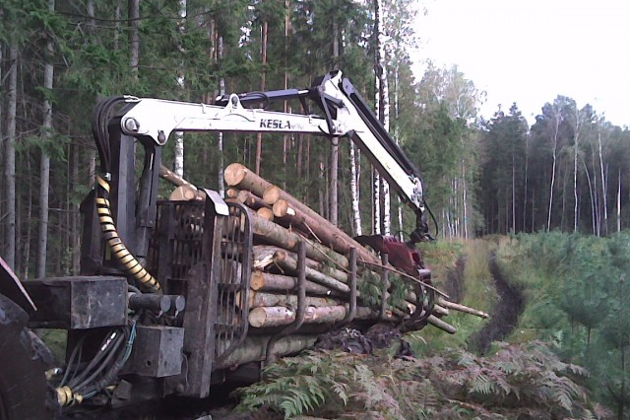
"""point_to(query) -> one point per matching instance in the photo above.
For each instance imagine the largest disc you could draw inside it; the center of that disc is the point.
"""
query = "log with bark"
(250, 200)
(239, 176)
(279, 236)
(274, 316)
(255, 347)
(268, 282)
(325, 231)
(280, 222)
(258, 299)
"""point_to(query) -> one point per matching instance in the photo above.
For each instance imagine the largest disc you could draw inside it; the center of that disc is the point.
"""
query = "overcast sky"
(529, 51)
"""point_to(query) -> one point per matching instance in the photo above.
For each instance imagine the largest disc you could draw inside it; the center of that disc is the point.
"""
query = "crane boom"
(345, 114)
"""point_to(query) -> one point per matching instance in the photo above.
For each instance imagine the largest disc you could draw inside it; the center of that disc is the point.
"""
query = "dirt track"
(505, 317)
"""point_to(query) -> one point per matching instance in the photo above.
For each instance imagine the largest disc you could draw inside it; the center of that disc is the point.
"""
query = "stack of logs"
(280, 222)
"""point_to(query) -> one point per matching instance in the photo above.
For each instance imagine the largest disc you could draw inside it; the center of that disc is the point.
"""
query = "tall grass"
(478, 287)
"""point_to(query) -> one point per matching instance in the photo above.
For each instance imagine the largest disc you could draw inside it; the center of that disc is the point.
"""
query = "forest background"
(567, 172)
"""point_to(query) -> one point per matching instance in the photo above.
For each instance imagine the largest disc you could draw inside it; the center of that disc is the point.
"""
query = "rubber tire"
(23, 386)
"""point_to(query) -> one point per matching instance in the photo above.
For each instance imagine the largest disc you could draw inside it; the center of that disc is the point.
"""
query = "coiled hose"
(118, 248)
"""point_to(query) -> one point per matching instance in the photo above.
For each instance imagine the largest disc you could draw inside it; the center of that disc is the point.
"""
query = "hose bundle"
(100, 120)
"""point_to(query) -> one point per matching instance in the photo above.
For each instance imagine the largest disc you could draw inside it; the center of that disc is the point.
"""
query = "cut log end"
(234, 174)
(265, 213)
(272, 194)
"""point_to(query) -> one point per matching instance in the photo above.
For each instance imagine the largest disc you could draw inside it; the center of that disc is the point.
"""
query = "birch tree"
(554, 157)
(382, 91)
(9, 254)
(178, 161)
(45, 157)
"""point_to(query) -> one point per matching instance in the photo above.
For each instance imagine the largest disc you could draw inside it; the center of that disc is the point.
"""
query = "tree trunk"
(619, 204)
(576, 145)
(553, 169)
(263, 75)
(465, 199)
(525, 186)
(381, 73)
(286, 139)
(76, 215)
(134, 37)
(220, 134)
(250, 200)
(603, 179)
(334, 150)
(591, 188)
(290, 264)
(9, 253)
(376, 201)
(44, 172)
(117, 31)
(401, 224)
(178, 160)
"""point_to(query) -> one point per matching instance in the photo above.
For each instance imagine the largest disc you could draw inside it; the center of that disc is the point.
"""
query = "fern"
(519, 381)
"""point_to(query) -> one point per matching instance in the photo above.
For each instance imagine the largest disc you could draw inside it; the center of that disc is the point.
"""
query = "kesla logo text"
(279, 124)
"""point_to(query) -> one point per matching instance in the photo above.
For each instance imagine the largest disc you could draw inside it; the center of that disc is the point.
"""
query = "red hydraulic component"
(401, 256)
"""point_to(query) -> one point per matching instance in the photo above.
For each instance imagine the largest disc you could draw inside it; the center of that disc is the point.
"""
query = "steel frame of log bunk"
(162, 304)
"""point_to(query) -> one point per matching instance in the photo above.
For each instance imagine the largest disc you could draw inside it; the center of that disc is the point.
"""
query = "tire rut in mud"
(505, 317)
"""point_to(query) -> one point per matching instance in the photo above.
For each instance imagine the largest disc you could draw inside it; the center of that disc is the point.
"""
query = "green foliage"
(474, 284)
(518, 380)
(578, 299)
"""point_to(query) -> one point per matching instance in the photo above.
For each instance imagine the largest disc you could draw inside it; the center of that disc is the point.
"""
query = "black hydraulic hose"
(110, 376)
(114, 350)
(104, 351)
(69, 394)
(73, 355)
(435, 223)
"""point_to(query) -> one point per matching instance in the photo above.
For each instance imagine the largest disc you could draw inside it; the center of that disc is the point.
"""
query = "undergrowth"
(517, 382)
(478, 292)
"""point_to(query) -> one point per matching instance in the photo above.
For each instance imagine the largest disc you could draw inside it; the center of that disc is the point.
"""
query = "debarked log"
(258, 299)
(461, 308)
(275, 316)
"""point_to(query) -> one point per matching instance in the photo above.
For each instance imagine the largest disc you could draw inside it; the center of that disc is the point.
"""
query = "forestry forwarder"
(161, 305)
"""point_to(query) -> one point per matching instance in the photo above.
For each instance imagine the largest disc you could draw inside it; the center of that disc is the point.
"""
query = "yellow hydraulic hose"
(118, 248)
